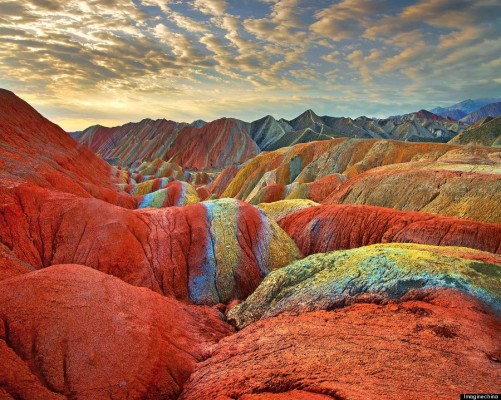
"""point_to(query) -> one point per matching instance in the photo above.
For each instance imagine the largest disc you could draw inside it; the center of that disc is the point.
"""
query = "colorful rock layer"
(36, 151)
(436, 347)
(207, 253)
(316, 191)
(450, 191)
(280, 209)
(337, 227)
(374, 273)
(174, 194)
(72, 332)
(214, 145)
(310, 162)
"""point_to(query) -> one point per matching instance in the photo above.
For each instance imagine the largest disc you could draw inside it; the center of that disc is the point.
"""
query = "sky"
(113, 61)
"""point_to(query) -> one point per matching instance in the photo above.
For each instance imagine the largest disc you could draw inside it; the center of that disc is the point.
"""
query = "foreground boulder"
(337, 227)
(71, 332)
(436, 346)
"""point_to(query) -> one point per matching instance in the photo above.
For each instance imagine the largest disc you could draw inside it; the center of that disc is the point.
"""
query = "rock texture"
(216, 144)
(373, 273)
(283, 208)
(34, 150)
(436, 346)
(207, 253)
(336, 227)
(229, 141)
(71, 332)
(316, 191)
(58, 211)
(306, 163)
(485, 132)
(448, 192)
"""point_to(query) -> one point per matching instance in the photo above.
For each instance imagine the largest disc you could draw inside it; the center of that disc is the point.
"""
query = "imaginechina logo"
(481, 397)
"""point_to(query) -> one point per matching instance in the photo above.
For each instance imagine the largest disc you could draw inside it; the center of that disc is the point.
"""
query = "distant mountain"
(460, 110)
(490, 110)
(228, 141)
(486, 132)
(212, 145)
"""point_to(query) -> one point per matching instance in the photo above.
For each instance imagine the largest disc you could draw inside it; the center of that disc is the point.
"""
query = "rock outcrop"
(72, 332)
(337, 227)
(373, 273)
(448, 191)
(437, 346)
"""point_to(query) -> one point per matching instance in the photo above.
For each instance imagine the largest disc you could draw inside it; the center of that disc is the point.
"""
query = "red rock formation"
(34, 150)
(145, 140)
(218, 186)
(207, 253)
(215, 145)
(335, 227)
(434, 347)
(71, 332)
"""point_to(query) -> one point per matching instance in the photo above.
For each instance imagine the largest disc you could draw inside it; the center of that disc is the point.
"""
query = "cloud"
(205, 58)
(213, 7)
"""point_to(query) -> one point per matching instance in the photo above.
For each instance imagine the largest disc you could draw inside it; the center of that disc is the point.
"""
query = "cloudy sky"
(112, 61)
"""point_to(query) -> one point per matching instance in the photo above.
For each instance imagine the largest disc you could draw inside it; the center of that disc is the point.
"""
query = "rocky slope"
(333, 227)
(270, 175)
(461, 191)
(229, 141)
(106, 274)
(358, 320)
(58, 210)
(485, 132)
(490, 110)
(71, 332)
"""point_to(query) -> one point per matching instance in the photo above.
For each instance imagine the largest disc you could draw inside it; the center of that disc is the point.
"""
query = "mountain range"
(229, 141)
(462, 109)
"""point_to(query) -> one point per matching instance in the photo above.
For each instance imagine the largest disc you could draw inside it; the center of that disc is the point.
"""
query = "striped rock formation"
(337, 227)
(72, 332)
(310, 162)
(214, 145)
(206, 253)
(464, 191)
(368, 274)
(174, 194)
(316, 191)
(163, 169)
(36, 151)
(434, 346)
(280, 209)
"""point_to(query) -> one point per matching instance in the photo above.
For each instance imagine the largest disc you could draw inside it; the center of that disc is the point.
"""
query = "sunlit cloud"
(101, 61)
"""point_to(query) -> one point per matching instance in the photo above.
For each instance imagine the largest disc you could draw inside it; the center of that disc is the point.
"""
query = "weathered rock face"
(34, 150)
(72, 332)
(374, 273)
(306, 163)
(206, 253)
(315, 191)
(219, 185)
(145, 140)
(469, 195)
(174, 193)
(216, 144)
(486, 132)
(337, 227)
(280, 209)
(430, 347)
